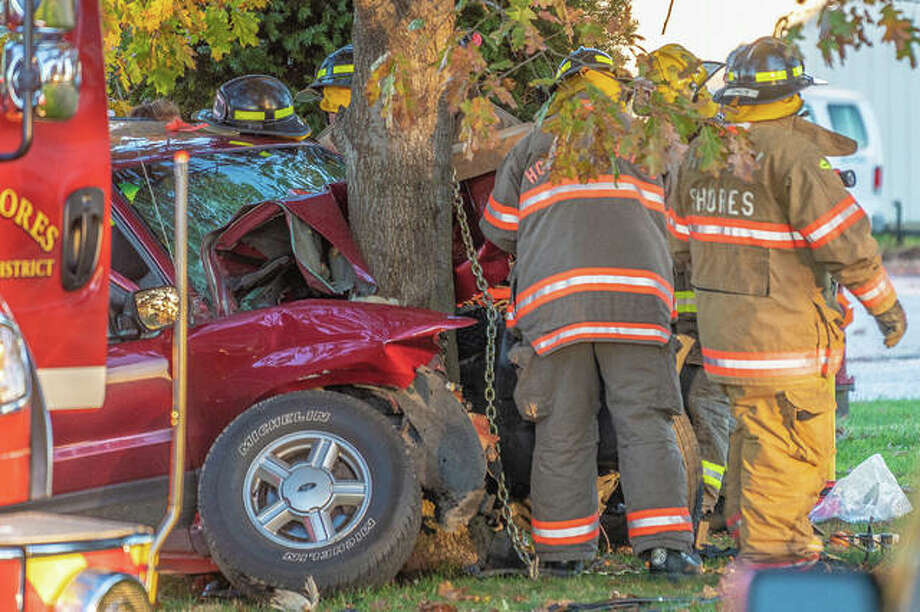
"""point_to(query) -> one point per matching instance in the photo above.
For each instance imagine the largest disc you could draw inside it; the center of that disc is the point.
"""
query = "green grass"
(888, 242)
(887, 427)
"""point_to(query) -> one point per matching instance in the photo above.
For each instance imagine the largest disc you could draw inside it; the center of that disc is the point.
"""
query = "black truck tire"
(310, 483)
(690, 451)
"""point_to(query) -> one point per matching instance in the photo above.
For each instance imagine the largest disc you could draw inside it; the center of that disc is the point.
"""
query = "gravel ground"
(883, 373)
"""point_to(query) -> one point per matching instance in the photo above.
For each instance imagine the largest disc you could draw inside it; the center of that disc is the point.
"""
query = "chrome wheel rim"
(307, 490)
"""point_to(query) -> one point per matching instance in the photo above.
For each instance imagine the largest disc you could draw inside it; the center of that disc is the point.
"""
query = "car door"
(127, 441)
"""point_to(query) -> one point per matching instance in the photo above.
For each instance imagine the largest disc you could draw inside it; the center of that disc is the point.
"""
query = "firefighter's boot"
(673, 562)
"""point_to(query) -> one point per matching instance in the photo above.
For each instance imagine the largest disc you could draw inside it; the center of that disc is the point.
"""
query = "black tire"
(288, 430)
(690, 451)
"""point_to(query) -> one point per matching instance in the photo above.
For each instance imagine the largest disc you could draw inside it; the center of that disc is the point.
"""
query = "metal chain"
(519, 540)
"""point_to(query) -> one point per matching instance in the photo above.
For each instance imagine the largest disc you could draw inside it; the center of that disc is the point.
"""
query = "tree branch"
(667, 18)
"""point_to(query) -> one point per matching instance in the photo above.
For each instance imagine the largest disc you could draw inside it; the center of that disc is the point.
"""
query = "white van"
(849, 113)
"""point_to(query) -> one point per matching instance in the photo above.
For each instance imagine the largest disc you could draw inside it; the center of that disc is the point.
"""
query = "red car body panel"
(233, 363)
(495, 262)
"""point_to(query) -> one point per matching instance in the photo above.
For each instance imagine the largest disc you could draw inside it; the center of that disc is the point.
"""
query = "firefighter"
(674, 68)
(333, 81)
(760, 252)
(255, 104)
(592, 305)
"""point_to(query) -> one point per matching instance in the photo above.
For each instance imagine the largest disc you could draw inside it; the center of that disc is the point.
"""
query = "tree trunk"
(399, 190)
(399, 178)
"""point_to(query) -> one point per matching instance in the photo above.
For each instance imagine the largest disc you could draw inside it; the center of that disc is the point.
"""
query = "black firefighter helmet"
(255, 104)
(583, 57)
(763, 71)
(337, 69)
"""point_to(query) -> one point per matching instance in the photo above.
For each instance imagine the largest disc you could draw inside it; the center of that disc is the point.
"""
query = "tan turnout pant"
(780, 452)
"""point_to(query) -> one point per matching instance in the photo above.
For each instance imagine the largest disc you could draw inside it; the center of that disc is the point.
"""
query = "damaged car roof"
(133, 140)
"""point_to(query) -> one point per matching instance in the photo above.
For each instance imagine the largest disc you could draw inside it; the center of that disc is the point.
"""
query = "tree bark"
(399, 179)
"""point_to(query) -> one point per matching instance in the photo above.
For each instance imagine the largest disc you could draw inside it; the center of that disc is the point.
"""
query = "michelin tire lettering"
(333, 551)
(300, 416)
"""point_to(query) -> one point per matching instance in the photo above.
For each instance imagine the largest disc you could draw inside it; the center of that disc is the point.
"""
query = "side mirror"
(156, 308)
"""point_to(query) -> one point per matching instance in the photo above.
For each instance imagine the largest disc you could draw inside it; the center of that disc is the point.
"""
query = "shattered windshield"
(219, 184)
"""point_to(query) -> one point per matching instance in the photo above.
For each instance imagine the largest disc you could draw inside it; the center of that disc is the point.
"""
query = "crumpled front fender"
(444, 445)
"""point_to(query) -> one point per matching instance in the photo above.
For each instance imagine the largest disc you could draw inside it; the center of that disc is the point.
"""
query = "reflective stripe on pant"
(561, 392)
(784, 449)
(710, 413)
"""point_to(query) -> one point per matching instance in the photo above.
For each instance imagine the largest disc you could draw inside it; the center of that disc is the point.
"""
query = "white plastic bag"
(870, 491)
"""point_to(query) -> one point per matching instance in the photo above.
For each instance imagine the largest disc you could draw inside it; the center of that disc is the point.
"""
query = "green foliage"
(849, 25)
(153, 41)
(293, 39)
(528, 45)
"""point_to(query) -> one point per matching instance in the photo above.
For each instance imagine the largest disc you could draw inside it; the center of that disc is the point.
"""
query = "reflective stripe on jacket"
(592, 258)
(760, 252)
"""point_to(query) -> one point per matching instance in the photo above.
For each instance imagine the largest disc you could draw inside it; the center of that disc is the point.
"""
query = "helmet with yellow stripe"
(580, 58)
(336, 70)
(763, 71)
(255, 104)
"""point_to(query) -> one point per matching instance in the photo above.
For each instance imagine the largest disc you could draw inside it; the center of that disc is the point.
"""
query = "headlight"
(98, 591)
(15, 386)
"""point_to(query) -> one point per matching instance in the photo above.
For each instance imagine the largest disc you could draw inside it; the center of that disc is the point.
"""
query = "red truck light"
(877, 180)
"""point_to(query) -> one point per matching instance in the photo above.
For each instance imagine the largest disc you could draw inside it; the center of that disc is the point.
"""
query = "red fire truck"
(54, 269)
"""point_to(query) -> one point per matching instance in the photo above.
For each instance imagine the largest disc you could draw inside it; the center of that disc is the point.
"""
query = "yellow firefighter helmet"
(674, 67)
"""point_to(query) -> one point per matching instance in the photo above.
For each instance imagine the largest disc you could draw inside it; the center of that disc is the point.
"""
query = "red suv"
(314, 420)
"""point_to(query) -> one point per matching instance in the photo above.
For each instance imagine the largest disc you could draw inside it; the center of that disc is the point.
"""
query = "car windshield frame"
(146, 186)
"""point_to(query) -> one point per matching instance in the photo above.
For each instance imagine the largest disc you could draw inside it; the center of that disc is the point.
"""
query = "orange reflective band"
(579, 522)
(737, 231)
(658, 520)
(501, 216)
(833, 223)
(876, 291)
(678, 226)
(605, 186)
(601, 330)
(582, 280)
(563, 533)
(770, 364)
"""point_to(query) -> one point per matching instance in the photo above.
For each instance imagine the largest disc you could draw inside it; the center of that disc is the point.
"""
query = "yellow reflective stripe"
(775, 75)
(249, 115)
(320, 73)
(241, 143)
(712, 474)
(565, 66)
(685, 302)
(244, 115)
(343, 69)
(601, 59)
(798, 70)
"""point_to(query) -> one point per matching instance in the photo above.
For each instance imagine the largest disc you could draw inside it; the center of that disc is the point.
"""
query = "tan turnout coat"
(760, 253)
